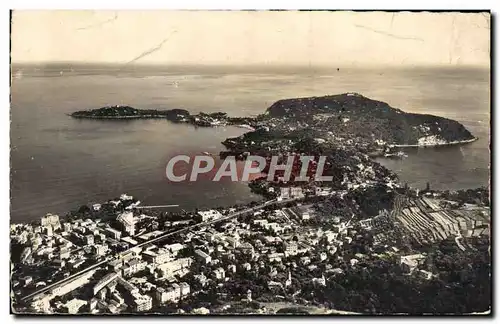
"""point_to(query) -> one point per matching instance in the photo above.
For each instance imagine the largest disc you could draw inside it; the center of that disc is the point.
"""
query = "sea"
(59, 163)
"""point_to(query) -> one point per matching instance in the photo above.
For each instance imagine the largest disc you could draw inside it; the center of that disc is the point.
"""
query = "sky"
(252, 37)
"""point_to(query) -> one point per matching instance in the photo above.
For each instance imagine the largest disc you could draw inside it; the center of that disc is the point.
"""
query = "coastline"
(435, 145)
(258, 131)
(249, 128)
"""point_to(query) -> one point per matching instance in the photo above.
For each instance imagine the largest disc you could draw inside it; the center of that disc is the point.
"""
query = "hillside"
(352, 115)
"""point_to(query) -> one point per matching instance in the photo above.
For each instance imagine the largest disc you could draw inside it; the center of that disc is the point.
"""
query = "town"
(118, 258)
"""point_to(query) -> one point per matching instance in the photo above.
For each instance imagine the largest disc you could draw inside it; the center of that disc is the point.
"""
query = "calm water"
(59, 163)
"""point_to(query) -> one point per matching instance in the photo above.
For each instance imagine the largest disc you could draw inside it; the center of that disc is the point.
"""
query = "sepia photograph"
(250, 162)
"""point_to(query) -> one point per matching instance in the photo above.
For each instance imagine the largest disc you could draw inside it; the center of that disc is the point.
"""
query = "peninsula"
(348, 117)
(345, 121)
(173, 115)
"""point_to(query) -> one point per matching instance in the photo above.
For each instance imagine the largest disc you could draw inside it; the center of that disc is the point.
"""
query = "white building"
(157, 257)
(209, 215)
(284, 193)
(319, 191)
(177, 290)
(126, 197)
(74, 305)
(305, 260)
(410, 262)
(175, 247)
(134, 266)
(41, 303)
(129, 288)
(320, 281)
(129, 240)
(27, 280)
(111, 232)
(142, 303)
(290, 248)
(288, 281)
(67, 227)
(51, 220)
(296, 192)
(72, 285)
(185, 289)
(48, 230)
(199, 254)
(89, 239)
(169, 269)
(161, 295)
(100, 249)
(127, 220)
(231, 268)
(64, 253)
(108, 278)
(233, 241)
(260, 222)
(219, 273)
(275, 257)
(330, 235)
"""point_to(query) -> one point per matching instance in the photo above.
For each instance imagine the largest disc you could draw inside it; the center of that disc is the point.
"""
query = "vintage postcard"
(250, 162)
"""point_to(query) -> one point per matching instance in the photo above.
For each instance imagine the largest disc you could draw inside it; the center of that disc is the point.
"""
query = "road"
(225, 218)
(65, 280)
(154, 240)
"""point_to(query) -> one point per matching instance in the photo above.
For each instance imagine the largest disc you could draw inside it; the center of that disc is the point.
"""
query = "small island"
(174, 115)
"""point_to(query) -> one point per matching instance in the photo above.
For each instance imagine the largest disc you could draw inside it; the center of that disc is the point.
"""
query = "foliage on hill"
(373, 199)
(130, 112)
(479, 196)
(353, 115)
(462, 285)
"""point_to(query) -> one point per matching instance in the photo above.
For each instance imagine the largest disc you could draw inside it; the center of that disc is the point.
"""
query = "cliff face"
(354, 116)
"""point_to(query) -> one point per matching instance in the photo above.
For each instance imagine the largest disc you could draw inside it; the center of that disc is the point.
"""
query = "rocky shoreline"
(438, 144)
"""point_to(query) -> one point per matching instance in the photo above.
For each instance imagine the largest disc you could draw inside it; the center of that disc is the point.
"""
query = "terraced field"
(427, 222)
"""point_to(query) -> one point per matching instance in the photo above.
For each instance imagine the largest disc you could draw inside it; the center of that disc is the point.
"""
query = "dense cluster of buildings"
(125, 265)
(109, 267)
